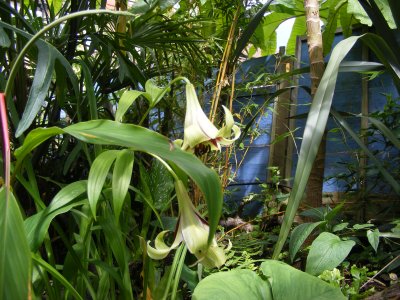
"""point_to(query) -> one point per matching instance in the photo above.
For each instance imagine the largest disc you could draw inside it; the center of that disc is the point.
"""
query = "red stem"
(5, 140)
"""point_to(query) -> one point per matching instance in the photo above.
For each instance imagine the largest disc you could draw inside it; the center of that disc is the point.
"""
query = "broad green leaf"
(38, 91)
(362, 226)
(373, 238)
(328, 35)
(327, 252)
(354, 8)
(290, 283)
(57, 4)
(121, 179)
(34, 139)
(299, 235)
(340, 227)
(235, 284)
(15, 258)
(97, 176)
(106, 132)
(299, 28)
(249, 30)
(126, 101)
(36, 226)
(346, 21)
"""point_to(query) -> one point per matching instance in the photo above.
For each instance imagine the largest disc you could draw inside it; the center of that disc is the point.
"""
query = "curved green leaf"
(235, 284)
(127, 100)
(314, 129)
(14, 251)
(249, 30)
(327, 252)
(39, 88)
(56, 275)
(36, 226)
(389, 178)
(34, 139)
(299, 235)
(121, 179)
(106, 132)
(97, 176)
(290, 283)
(156, 93)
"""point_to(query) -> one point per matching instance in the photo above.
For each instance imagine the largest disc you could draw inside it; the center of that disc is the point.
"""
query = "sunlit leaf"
(327, 252)
(97, 176)
(14, 251)
(121, 179)
(290, 283)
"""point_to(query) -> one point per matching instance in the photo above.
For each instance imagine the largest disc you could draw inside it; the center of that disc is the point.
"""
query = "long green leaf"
(299, 236)
(249, 30)
(121, 179)
(39, 88)
(97, 176)
(36, 226)
(106, 132)
(389, 178)
(314, 129)
(126, 100)
(14, 250)
(56, 275)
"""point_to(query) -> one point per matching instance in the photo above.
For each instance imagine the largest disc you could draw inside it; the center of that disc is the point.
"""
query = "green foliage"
(15, 262)
(279, 281)
(327, 252)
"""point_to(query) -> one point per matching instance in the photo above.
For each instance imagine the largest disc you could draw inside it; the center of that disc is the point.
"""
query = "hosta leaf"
(290, 283)
(373, 238)
(327, 252)
(235, 284)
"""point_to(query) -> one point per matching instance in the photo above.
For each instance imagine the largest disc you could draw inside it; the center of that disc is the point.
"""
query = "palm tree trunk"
(317, 67)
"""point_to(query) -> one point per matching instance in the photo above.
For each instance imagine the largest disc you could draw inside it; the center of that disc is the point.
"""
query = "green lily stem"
(48, 27)
(178, 273)
(174, 266)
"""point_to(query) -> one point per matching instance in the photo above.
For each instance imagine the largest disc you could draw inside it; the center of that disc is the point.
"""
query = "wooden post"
(280, 124)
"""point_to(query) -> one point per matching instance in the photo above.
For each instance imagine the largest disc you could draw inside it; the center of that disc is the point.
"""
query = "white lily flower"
(193, 230)
(199, 129)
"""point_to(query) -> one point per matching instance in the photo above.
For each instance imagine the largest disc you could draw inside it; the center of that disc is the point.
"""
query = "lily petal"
(161, 250)
(198, 128)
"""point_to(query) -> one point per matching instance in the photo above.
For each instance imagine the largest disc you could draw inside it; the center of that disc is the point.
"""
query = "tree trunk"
(317, 67)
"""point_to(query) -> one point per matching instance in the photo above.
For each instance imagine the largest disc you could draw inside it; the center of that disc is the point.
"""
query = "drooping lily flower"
(193, 230)
(199, 129)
